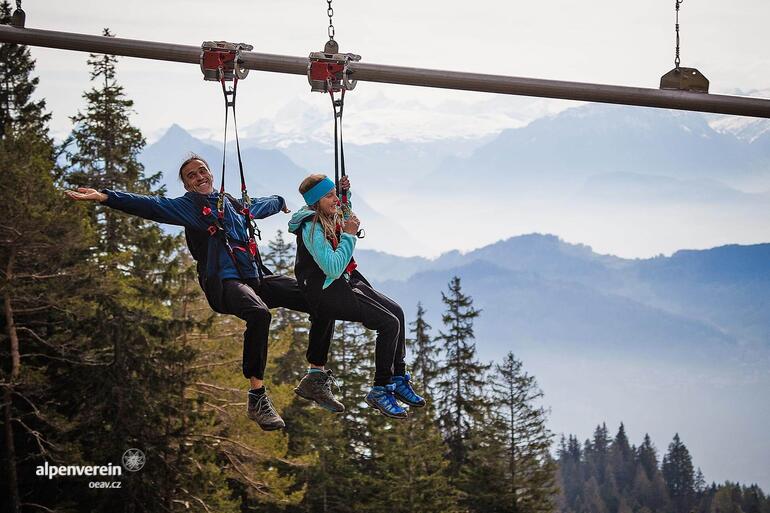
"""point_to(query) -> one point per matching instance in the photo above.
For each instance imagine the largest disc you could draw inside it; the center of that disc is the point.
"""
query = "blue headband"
(318, 191)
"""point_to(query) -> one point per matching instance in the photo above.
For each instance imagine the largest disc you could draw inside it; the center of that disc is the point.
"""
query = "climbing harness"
(220, 61)
(683, 79)
(329, 72)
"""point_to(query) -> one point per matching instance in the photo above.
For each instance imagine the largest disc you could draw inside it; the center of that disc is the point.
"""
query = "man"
(231, 273)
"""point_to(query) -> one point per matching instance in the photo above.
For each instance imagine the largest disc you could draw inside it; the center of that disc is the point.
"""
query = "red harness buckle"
(212, 230)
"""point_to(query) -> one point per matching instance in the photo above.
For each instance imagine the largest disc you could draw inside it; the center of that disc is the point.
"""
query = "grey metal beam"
(645, 97)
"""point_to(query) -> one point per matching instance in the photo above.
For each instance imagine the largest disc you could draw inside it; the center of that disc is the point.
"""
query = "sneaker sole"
(413, 405)
(268, 427)
(296, 391)
(383, 412)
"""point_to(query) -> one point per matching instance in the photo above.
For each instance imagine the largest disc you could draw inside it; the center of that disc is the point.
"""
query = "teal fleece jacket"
(331, 261)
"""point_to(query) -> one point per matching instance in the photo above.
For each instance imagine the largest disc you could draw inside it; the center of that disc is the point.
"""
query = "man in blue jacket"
(230, 270)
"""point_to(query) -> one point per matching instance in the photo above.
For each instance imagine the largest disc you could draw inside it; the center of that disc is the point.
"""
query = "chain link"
(676, 56)
(330, 13)
(18, 4)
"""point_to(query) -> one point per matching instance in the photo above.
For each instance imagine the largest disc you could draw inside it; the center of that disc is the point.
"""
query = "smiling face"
(327, 205)
(197, 177)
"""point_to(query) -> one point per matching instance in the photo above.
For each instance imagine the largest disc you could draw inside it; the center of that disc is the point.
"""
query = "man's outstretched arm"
(177, 211)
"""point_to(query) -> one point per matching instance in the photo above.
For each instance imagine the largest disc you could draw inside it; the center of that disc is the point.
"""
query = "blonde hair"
(328, 223)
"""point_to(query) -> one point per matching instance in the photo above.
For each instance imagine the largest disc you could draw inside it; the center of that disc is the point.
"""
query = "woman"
(334, 289)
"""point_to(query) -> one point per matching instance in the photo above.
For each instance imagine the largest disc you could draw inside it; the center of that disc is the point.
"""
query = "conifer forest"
(107, 343)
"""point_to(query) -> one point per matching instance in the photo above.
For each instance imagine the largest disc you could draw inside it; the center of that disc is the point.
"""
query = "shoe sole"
(413, 405)
(296, 391)
(390, 415)
(268, 427)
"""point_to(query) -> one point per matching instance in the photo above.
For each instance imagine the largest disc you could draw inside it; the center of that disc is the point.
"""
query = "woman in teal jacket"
(334, 289)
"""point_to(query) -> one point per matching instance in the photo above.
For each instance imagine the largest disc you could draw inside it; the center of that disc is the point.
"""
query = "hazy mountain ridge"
(711, 303)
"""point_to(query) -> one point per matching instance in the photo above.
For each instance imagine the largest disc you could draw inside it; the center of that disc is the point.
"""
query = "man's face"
(197, 177)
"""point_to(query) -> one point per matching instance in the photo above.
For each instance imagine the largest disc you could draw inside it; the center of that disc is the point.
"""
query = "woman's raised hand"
(345, 183)
(86, 194)
(351, 225)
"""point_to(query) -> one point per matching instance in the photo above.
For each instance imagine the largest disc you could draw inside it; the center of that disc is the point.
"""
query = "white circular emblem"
(133, 460)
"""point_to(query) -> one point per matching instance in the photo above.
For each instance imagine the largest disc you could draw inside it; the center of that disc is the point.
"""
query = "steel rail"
(581, 91)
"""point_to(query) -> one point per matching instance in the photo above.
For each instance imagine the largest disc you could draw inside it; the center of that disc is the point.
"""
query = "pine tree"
(529, 471)
(426, 353)
(679, 475)
(106, 147)
(570, 460)
(408, 465)
(648, 457)
(411, 473)
(18, 113)
(461, 383)
(340, 480)
(700, 482)
(279, 256)
(622, 460)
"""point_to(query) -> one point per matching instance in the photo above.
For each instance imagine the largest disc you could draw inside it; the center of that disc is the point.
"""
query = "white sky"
(599, 41)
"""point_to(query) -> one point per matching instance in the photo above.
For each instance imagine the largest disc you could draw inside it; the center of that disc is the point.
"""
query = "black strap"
(339, 148)
(244, 208)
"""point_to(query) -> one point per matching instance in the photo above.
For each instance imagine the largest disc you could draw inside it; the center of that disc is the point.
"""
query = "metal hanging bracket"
(685, 79)
(679, 78)
(329, 71)
(18, 18)
(221, 60)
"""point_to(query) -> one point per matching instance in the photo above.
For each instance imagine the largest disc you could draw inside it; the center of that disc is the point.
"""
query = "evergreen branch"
(38, 437)
(245, 447)
(253, 484)
(74, 362)
(219, 409)
(39, 506)
(58, 350)
(205, 506)
(32, 310)
(216, 387)
(10, 229)
(215, 364)
(40, 276)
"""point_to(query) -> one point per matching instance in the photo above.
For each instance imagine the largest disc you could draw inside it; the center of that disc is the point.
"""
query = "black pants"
(357, 301)
(252, 300)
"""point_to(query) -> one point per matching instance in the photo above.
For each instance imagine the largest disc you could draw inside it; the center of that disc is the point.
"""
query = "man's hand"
(345, 183)
(351, 225)
(86, 194)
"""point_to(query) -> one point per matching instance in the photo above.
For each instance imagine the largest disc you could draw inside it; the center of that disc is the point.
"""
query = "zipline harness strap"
(339, 152)
(328, 72)
(220, 62)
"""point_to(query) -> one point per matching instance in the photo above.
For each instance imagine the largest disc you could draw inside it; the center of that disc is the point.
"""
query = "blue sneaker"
(382, 399)
(404, 391)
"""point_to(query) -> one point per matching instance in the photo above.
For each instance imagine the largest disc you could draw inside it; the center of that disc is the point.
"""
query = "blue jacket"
(331, 261)
(183, 211)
